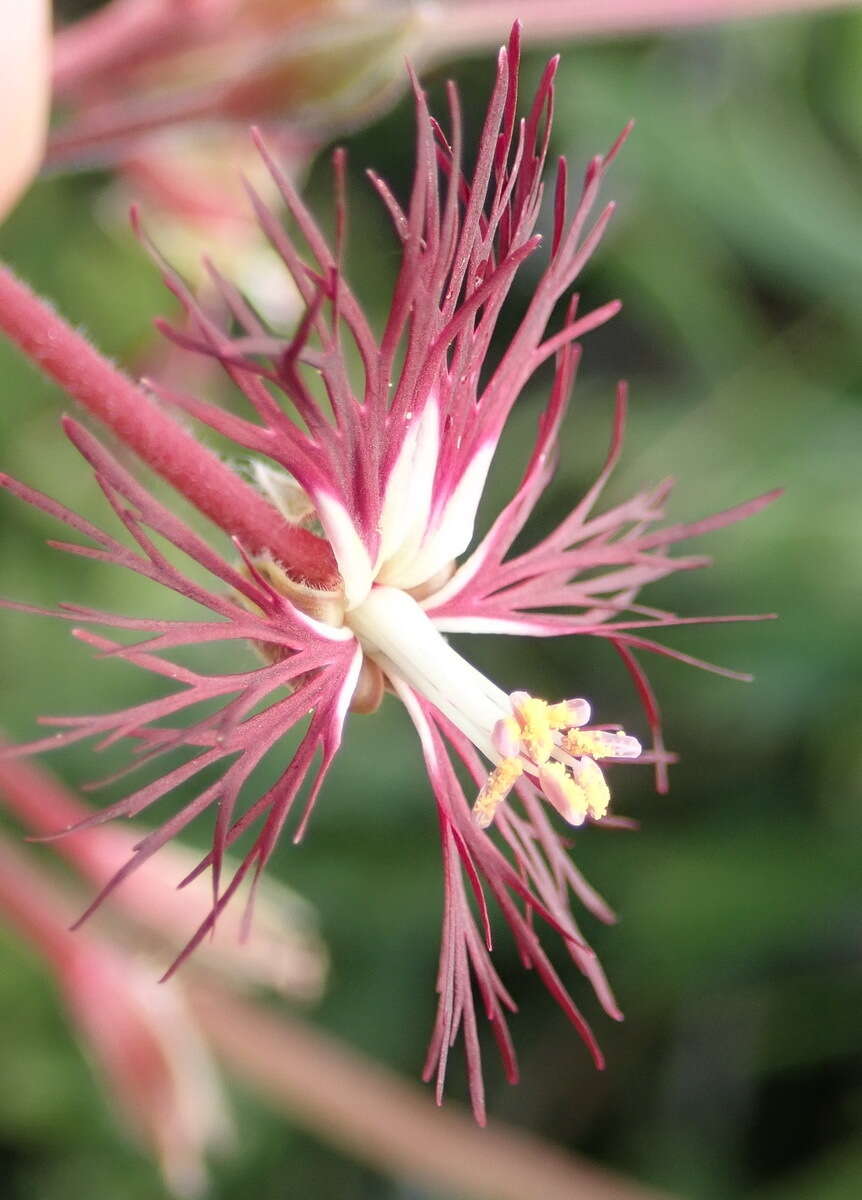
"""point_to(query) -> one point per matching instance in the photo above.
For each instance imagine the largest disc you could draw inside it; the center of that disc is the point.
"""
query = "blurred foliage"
(737, 251)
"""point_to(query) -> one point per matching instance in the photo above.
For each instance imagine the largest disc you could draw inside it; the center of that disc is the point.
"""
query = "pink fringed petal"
(463, 241)
(319, 664)
(536, 872)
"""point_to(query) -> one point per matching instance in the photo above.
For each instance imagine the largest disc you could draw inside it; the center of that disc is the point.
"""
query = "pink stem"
(155, 437)
(472, 23)
(369, 1112)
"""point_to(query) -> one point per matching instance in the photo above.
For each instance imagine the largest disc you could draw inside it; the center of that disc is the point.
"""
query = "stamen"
(564, 767)
(601, 743)
(531, 714)
(589, 778)
(507, 737)
(520, 733)
(497, 787)
(568, 798)
(567, 714)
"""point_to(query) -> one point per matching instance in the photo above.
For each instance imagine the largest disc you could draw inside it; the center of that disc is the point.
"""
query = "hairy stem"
(173, 453)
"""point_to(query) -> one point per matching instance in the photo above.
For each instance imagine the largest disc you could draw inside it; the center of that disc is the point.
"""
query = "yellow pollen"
(548, 741)
(535, 728)
(558, 715)
(495, 790)
(568, 797)
(596, 743)
(595, 788)
(513, 733)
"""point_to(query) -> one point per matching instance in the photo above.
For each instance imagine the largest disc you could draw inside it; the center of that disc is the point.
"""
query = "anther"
(601, 743)
(497, 787)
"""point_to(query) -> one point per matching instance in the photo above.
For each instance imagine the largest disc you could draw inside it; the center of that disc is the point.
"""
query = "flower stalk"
(470, 24)
(368, 1111)
(156, 438)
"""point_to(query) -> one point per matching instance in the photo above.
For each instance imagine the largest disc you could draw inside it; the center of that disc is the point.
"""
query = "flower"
(347, 578)
(140, 87)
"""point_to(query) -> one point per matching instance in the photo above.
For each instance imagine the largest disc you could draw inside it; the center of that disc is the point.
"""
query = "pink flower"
(389, 477)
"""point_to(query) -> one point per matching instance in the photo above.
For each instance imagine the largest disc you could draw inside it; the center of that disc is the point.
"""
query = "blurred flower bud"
(139, 1034)
(280, 948)
(189, 185)
(144, 1042)
(314, 67)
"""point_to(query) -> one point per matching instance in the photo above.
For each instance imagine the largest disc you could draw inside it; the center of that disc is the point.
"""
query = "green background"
(737, 251)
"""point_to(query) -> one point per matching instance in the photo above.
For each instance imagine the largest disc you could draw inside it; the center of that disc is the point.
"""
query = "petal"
(408, 492)
(354, 561)
(452, 531)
